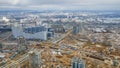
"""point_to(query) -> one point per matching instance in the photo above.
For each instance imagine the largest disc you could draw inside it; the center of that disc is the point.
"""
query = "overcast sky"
(61, 4)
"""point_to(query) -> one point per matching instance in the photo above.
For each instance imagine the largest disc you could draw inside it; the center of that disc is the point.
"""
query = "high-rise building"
(35, 59)
(78, 63)
(21, 44)
(58, 28)
(77, 28)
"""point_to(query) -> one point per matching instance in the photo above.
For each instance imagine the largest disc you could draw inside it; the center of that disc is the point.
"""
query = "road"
(60, 40)
(6, 37)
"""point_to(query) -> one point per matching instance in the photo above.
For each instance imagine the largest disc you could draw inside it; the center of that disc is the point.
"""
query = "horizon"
(59, 5)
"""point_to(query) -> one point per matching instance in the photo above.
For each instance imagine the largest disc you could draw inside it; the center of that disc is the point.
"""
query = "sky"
(61, 4)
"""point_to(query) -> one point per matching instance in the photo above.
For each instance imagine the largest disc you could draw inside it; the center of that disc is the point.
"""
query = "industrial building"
(36, 32)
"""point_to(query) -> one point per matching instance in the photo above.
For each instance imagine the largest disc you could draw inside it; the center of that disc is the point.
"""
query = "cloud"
(63, 4)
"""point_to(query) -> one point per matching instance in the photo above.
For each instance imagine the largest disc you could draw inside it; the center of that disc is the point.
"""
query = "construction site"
(70, 51)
